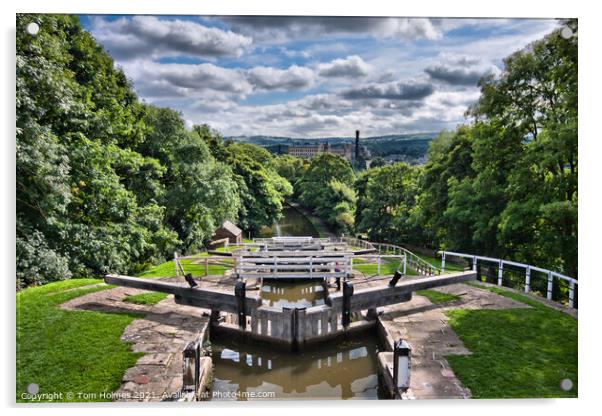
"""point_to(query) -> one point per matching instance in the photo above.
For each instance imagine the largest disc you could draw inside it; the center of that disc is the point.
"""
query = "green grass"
(437, 297)
(150, 298)
(388, 266)
(69, 351)
(167, 269)
(517, 353)
(436, 261)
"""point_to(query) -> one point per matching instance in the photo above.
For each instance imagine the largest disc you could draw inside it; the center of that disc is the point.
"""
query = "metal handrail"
(528, 269)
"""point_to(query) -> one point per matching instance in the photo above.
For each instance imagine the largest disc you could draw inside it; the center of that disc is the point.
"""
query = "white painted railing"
(416, 263)
(551, 275)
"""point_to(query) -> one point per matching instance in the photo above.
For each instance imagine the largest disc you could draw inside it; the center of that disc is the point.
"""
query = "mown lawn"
(168, 269)
(437, 297)
(148, 298)
(436, 261)
(521, 353)
(387, 267)
(69, 351)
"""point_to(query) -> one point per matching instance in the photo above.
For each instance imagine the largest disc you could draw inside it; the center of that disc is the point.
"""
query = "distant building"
(230, 231)
(306, 149)
(345, 150)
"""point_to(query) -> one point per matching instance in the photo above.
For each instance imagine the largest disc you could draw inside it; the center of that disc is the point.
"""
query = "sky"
(312, 76)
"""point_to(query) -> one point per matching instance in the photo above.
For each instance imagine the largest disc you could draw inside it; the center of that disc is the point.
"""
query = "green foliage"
(387, 198)
(77, 119)
(292, 169)
(516, 352)
(108, 184)
(504, 185)
(260, 188)
(326, 187)
(69, 351)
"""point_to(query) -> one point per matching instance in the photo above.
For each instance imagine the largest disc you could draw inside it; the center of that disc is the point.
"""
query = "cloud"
(281, 28)
(156, 80)
(460, 70)
(151, 37)
(399, 90)
(352, 66)
(292, 78)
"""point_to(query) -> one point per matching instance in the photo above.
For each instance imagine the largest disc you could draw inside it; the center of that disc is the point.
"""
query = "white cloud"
(210, 81)
(460, 69)
(292, 78)
(282, 28)
(151, 37)
(352, 66)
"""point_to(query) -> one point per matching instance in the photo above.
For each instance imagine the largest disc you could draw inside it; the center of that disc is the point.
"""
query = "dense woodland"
(107, 183)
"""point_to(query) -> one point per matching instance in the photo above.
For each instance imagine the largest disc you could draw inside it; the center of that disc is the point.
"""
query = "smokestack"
(357, 145)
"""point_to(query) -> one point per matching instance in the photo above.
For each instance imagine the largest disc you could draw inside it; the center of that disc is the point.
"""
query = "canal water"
(301, 294)
(293, 223)
(344, 370)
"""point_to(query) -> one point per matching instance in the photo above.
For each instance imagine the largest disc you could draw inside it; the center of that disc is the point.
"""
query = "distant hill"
(410, 148)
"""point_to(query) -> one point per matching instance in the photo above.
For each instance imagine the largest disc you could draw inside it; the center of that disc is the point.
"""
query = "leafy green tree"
(292, 169)
(377, 162)
(388, 199)
(198, 192)
(450, 161)
(262, 191)
(78, 212)
(536, 98)
(326, 187)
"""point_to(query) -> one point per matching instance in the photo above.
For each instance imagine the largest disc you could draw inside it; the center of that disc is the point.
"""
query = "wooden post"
(378, 272)
(550, 285)
(571, 294)
(443, 262)
(207, 267)
(405, 265)
(528, 280)
(474, 264)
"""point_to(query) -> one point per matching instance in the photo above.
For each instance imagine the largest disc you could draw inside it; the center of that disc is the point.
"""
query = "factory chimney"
(357, 145)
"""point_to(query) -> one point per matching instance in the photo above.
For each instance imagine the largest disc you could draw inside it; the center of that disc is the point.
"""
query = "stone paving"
(167, 327)
(425, 326)
(161, 335)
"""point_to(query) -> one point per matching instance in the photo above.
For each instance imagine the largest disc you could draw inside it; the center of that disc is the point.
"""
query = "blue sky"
(312, 76)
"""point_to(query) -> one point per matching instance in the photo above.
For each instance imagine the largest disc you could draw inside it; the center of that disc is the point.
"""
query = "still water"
(293, 223)
(346, 370)
(300, 294)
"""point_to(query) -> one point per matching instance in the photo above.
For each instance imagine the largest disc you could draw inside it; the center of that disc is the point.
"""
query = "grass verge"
(168, 269)
(437, 297)
(516, 353)
(150, 298)
(69, 352)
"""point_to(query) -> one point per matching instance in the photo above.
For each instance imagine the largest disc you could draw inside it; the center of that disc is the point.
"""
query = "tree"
(388, 198)
(326, 187)
(198, 192)
(261, 190)
(77, 119)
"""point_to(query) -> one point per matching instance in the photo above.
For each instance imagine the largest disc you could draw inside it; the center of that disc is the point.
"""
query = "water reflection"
(293, 223)
(300, 294)
(346, 370)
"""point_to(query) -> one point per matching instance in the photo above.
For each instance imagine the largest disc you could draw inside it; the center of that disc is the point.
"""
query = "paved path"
(425, 326)
(161, 335)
